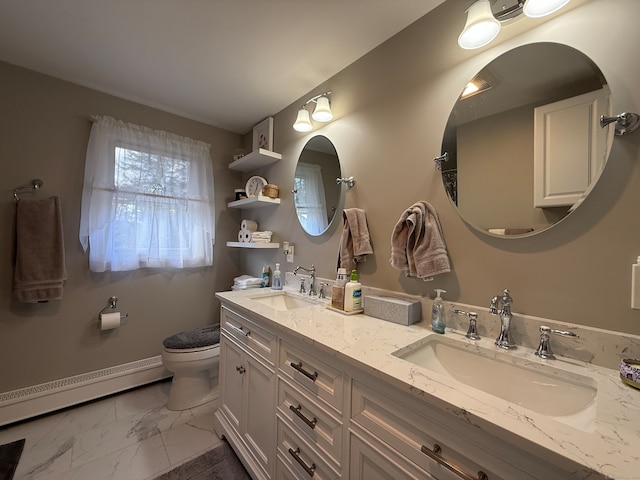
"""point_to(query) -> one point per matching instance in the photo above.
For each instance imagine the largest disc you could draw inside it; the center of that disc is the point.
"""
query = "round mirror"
(523, 142)
(315, 191)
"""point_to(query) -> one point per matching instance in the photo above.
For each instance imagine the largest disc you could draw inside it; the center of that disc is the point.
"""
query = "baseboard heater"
(47, 397)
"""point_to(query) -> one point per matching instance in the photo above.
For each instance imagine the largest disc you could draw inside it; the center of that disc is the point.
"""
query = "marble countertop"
(609, 446)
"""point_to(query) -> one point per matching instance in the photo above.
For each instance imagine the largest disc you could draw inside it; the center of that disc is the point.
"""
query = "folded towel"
(355, 242)
(40, 267)
(417, 243)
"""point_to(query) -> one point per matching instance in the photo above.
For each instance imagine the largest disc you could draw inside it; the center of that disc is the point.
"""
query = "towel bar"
(35, 184)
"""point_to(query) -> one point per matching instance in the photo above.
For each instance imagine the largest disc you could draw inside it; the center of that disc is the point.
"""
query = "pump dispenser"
(437, 313)
(353, 294)
(276, 283)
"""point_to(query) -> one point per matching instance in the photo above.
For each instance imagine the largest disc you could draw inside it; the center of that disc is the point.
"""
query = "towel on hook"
(40, 268)
(355, 243)
(417, 243)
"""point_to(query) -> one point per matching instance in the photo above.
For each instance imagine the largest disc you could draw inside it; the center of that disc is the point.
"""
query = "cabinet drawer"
(313, 375)
(403, 428)
(310, 420)
(245, 332)
(299, 459)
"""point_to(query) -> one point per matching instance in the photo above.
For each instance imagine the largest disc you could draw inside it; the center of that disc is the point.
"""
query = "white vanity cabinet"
(294, 410)
(247, 391)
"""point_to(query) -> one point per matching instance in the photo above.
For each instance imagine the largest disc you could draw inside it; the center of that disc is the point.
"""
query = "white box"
(396, 310)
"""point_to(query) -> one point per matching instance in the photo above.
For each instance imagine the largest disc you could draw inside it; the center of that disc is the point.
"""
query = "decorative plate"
(254, 186)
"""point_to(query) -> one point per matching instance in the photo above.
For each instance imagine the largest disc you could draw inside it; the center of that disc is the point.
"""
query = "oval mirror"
(315, 191)
(523, 141)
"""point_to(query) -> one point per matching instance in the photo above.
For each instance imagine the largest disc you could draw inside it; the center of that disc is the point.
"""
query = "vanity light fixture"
(483, 24)
(322, 113)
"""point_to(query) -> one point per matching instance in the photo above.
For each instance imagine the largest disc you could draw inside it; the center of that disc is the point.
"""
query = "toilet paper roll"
(241, 235)
(249, 225)
(246, 236)
(109, 321)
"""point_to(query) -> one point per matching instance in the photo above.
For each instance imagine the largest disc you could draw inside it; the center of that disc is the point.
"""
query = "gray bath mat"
(220, 463)
(9, 458)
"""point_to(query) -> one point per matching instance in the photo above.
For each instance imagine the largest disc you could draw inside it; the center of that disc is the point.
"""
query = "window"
(147, 200)
(309, 198)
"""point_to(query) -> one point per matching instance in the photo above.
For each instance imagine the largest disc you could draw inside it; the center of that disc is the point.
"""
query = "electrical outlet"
(290, 254)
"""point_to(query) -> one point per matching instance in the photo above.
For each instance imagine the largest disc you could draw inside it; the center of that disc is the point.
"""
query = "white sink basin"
(567, 396)
(281, 300)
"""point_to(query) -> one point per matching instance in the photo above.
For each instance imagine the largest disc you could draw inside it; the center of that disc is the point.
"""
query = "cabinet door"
(570, 148)
(231, 380)
(259, 411)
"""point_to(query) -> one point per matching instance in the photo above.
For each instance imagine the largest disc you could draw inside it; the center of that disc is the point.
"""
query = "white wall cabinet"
(332, 420)
(570, 148)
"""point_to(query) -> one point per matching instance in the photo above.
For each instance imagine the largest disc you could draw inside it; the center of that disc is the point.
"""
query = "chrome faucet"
(544, 349)
(504, 301)
(312, 274)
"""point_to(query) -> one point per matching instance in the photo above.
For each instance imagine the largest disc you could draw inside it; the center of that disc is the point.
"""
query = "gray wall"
(391, 108)
(44, 130)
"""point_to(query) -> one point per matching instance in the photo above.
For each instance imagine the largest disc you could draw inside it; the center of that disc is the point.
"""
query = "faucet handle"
(321, 292)
(302, 289)
(544, 349)
(472, 331)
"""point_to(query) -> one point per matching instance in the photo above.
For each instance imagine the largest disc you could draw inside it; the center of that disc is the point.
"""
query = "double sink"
(564, 394)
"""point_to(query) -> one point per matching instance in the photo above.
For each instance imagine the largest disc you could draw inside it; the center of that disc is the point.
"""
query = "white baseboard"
(47, 397)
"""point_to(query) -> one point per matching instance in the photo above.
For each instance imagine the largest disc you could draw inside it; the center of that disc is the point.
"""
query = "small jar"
(240, 193)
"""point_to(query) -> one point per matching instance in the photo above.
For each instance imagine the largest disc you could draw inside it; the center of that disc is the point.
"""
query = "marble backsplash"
(601, 347)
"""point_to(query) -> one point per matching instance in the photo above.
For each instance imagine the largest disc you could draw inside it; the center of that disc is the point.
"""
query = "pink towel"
(355, 242)
(417, 243)
(40, 268)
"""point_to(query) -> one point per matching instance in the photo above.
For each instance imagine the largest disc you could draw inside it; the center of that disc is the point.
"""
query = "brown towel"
(355, 243)
(417, 243)
(40, 269)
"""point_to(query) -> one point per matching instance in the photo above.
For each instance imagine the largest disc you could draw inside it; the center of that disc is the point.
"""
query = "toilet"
(193, 358)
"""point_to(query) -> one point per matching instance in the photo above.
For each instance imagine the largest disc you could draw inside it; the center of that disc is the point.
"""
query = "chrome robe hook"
(626, 122)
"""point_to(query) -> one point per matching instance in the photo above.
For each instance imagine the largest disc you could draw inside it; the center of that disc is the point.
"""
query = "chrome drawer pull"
(435, 455)
(298, 367)
(309, 469)
(310, 423)
(240, 330)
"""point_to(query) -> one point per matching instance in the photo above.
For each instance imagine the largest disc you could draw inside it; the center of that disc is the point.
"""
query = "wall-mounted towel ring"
(35, 184)
(349, 181)
(626, 123)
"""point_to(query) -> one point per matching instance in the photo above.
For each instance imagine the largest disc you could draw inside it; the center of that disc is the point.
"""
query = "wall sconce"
(322, 113)
(483, 25)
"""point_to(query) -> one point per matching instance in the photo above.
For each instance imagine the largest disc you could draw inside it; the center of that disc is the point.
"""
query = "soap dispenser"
(437, 312)
(276, 284)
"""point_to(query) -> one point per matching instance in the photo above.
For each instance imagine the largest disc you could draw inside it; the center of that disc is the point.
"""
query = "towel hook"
(626, 122)
(35, 184)
(349, 181)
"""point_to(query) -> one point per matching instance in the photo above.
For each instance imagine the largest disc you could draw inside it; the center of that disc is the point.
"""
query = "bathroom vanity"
(308, 392)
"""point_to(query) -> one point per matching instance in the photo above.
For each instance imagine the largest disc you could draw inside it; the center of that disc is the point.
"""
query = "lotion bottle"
(437, 313)
(353, 294)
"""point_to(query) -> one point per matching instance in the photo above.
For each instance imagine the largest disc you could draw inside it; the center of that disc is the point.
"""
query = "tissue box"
(396, 310)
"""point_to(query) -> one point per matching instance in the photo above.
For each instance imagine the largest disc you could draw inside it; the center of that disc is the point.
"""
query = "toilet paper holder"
(113, 303)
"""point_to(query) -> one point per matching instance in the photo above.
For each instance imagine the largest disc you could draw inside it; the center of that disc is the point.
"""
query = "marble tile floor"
(128, 436)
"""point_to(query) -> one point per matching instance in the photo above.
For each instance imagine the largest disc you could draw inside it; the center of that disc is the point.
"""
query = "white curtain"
(147, 199)
(311, 206)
